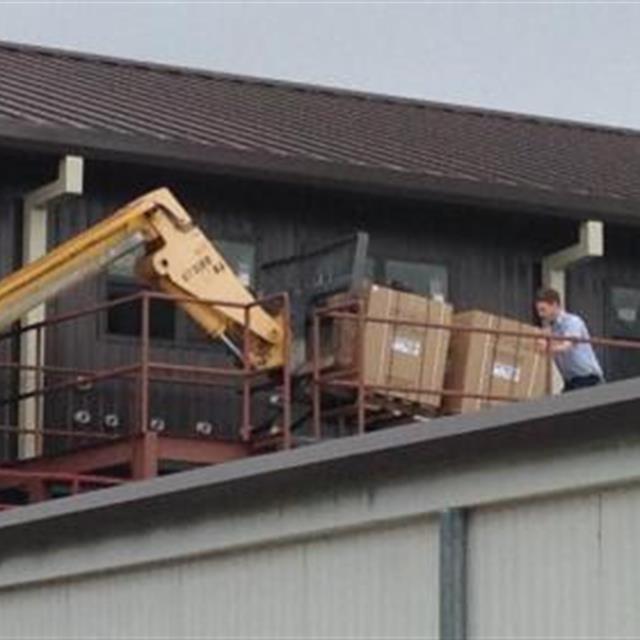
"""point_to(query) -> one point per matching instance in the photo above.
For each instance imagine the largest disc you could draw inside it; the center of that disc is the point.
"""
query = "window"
(419, 277)
(166, 321)
(126, 319)
(241, 257)
(623, 321)
(625, 312)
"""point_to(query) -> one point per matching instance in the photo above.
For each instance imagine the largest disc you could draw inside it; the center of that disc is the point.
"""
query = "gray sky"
(577, 61)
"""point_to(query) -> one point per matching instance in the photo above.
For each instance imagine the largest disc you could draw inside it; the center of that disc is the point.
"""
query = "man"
(576, 361)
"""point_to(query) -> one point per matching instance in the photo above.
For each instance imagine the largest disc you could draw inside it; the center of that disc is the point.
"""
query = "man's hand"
(553, 346)
(542, 345)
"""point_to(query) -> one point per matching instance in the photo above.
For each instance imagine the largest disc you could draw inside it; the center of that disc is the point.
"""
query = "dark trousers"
(581, 382)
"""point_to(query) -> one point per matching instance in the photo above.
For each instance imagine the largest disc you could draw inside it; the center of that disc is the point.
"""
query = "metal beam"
(141, 454)
(200, 450)
(453, 575)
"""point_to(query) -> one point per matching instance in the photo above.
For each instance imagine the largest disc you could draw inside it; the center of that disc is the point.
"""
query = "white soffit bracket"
(589, 245)
(69, 182)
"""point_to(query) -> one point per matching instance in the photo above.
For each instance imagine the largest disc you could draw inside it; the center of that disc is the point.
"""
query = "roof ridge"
(338, 92)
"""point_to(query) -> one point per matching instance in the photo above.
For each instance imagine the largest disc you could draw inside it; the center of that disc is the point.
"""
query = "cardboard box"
(488, 364)
(394, 354)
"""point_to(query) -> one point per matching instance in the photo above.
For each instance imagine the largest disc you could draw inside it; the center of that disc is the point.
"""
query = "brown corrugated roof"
(91, 101)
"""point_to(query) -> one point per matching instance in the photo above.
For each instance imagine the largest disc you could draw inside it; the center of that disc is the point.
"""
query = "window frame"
(613, 360)
(610, 319)
(380, 267)
(183, 338)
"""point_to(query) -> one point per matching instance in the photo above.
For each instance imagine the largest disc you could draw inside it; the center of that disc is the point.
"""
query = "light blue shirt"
(580, 360)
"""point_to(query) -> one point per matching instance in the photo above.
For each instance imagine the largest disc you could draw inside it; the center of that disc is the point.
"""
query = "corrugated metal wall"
(376, 583)
(566, 567)
(550, 550)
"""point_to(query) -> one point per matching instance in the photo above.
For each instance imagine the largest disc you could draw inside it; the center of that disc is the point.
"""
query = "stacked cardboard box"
(411, 358)
(487, 364)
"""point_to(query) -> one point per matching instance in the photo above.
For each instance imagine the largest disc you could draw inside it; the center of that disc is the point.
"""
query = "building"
(514, 522)
(472, 204)
(466, 202)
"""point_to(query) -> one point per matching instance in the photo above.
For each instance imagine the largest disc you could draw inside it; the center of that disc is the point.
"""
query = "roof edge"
(147, 151)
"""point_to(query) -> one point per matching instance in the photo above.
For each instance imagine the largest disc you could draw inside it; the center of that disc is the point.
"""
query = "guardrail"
(367, 395)
(146, 373)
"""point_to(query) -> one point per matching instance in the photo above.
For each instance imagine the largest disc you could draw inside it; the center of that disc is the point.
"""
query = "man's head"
(548, 304)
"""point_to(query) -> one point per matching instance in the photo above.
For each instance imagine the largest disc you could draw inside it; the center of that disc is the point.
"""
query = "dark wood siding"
(493, 260)
(18, 174)
(590, 287)
(8, 259)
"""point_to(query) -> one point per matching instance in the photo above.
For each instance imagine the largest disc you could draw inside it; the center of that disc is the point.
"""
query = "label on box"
(407, 346)
(506, 372)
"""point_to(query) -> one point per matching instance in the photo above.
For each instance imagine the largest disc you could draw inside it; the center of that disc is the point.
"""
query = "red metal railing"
(353, 379)
(147, 369)
(38, 482)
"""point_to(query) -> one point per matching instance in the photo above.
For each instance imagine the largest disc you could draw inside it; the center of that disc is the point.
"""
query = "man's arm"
(573, 329)
(560, 346)
(553, 346)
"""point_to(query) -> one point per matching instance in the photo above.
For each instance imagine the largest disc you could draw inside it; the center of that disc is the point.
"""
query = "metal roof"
(141, 110)
(602, 414)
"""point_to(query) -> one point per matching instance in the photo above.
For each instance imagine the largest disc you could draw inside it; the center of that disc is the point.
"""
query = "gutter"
(32, 343)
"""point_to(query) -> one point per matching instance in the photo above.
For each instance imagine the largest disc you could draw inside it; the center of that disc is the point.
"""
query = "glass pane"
(125, 319)
(370, 268)
(624, 322)
(625, 303)
(241, 258)
(239, 255)
(165, 317)
(124, 267)
(419, 277)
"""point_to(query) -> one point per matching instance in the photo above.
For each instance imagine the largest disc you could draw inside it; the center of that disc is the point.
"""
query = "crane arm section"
(178, 259)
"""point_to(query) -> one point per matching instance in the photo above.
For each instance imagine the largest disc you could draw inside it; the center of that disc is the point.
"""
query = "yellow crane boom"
(179, 259)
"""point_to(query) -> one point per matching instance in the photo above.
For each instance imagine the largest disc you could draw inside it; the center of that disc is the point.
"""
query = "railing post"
(548, 364)
(144, 453)
(316, 399)
(286, 372)
(144, 366)
(361, 326)
(40, 397)
(245, 429)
